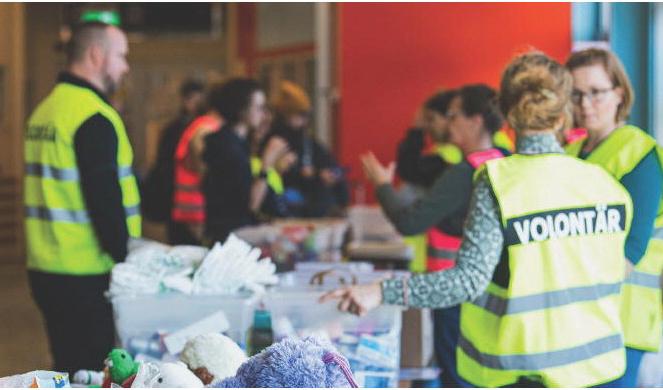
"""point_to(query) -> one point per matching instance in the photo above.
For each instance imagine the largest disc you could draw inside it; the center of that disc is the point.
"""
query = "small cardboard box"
(417, 338)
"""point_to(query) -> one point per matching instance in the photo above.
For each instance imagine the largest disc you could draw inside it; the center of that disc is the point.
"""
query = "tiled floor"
(23, 344)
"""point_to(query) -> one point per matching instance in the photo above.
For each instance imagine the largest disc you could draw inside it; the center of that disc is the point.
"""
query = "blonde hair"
(615, 70)
(535, 93)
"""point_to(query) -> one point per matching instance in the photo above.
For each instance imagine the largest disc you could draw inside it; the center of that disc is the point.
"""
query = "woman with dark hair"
(472, 118)
(233, 196)
(413, 164)
(541, 265)
(419, 166)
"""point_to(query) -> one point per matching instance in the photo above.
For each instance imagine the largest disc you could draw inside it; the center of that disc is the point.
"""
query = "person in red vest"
(473, 117)
(188, 213)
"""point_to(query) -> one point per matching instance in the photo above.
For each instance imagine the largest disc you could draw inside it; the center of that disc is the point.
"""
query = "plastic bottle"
(261, 335)
(89, 377)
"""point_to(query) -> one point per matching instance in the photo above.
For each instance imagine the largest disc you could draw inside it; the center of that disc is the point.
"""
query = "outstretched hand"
(375, 172)
(357, 300)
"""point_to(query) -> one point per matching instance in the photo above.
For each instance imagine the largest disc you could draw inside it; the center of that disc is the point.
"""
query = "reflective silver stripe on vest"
(57, 215)
(123, 172)
(47, 171)
(543, 360)
(441, 253)
(506, 306)
(65, 174)
(62, 215)
(643, 279)
(131, 211)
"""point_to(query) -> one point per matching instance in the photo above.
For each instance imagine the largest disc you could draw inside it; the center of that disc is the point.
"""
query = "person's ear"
(477, 121)
(619, 91)
(96, 55)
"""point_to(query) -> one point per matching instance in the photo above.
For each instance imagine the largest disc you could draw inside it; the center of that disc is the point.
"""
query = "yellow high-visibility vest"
(642, 316)
(551, 311)
(59, 234)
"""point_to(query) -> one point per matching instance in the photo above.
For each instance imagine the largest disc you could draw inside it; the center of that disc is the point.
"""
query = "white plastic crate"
(142, 321)
(371, 343)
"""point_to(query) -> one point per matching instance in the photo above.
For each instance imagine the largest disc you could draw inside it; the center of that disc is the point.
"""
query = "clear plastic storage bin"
(331, 278)
(371, 343)
(143, 321)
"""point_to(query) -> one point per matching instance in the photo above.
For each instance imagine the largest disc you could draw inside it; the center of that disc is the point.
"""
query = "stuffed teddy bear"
(159, 375)
(310, 362)
(212, 357)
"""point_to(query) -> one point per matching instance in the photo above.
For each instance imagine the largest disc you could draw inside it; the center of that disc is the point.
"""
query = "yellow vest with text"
(60, 237)
(619, 154)
(551, 311)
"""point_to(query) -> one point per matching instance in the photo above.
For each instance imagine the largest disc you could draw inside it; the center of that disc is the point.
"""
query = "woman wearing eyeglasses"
(602, 97)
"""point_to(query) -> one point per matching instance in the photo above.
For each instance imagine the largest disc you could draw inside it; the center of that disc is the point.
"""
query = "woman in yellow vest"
(602, 97)
(418, 167)
(541, 265)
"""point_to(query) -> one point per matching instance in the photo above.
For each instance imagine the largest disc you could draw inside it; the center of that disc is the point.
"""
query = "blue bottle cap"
(262, 319)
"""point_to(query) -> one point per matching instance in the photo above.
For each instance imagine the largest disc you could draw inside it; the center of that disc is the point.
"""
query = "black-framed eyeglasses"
(594, 95)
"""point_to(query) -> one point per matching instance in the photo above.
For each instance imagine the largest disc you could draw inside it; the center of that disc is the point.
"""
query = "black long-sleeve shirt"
(227, 183)
(96, 146)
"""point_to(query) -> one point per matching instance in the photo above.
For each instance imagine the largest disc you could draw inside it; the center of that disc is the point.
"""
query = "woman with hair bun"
(602, 97)
(541, 264)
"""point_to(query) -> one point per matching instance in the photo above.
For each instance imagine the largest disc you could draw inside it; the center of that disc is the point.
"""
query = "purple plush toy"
(294, 363)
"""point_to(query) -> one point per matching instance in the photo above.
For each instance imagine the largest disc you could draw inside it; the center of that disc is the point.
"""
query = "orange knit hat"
(291, 99)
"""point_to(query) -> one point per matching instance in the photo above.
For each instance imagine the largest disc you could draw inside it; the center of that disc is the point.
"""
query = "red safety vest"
(442, 247)
(188, 199)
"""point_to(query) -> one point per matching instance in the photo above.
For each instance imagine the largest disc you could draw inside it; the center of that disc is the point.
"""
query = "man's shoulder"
(97, 128)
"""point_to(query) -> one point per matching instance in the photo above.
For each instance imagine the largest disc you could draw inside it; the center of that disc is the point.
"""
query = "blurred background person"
(414, 163)
(315, 184)
(275, 204)
(419, 166)
(188, 206)
(158, 187)
(233, 197)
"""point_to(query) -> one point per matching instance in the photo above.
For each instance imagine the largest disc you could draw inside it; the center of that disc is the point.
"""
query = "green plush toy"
(120, 365)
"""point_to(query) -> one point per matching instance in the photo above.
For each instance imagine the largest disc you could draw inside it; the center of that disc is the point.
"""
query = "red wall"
(392, 56)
